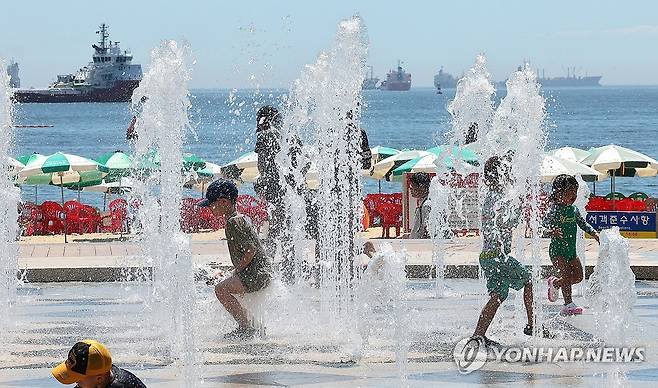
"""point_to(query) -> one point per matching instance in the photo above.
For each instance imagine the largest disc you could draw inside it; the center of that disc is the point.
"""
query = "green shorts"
(502, 273)
(561, 248)
(255, 277)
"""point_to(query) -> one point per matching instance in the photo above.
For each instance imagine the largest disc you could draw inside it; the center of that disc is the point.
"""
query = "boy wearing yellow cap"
(89, 364)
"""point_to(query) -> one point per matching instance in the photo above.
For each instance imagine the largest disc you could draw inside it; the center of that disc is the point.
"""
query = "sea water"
(580, 117)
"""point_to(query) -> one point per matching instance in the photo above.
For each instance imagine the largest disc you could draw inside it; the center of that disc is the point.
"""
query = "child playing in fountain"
(499, 218)
(252, 269)
(561, 225)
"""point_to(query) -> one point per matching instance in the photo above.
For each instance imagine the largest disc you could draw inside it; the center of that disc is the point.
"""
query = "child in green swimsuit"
(561, 224)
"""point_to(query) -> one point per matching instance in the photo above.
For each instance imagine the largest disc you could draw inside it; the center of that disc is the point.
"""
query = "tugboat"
(370, 82)
(110, 77)
(398, 80)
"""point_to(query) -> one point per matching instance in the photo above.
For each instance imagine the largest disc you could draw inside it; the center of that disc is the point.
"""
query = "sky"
(246, 44)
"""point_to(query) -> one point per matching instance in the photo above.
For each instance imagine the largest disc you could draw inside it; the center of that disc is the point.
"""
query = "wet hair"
(564, 182)
(421, 179)
(267, 117)
(492, 170)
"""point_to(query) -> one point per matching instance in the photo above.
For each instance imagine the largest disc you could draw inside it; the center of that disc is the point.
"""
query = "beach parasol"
(203, 176)
(60, 169)
(553, 166)
(617, 161)
(244, 168)
(25, 159)
(380, 153)
(119, 164)
(193, 162)
(384, 168)
(118, 187)
(13, 165)
(569, 153)
(440, 155)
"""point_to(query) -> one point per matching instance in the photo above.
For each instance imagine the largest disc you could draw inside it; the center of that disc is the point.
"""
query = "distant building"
(12, 70)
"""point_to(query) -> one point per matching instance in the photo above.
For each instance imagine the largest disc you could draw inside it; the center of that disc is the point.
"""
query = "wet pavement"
(111, 261)
(301, 348)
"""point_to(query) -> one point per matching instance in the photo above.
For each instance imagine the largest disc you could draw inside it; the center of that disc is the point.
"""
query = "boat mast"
(104, 35)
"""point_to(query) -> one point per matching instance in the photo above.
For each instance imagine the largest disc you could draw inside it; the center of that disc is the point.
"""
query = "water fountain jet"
(8, 211)
(163, 98)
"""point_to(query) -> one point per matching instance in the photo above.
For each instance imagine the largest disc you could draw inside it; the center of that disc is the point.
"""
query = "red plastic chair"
(253, 208)
(90, 219)
(370, 202)
(54, 216)
(190, 219)
(391, 217)
(471, 180)
(73, 222)
(639, 205)
(624, 205)
(31, 219)
(595, 203)
(118, 216)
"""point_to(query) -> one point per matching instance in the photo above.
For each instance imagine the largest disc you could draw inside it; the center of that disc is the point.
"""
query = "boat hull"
(122, 91)
(397, 86)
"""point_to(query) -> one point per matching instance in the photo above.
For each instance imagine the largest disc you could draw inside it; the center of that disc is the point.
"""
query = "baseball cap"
(86, 358)
(221, 188)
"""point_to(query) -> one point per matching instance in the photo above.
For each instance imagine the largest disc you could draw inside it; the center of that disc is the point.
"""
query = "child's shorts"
(255, 277)
(503, 272)
(562, 249)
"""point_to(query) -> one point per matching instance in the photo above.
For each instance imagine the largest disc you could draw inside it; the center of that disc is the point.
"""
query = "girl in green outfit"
(561, 224)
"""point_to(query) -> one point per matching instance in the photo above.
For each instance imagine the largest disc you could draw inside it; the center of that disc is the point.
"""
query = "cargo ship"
(109, 77)
(444, 80)
(571, 80)
(398, 80)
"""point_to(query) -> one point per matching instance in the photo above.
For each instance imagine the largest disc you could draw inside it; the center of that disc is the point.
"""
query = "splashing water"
(473, 103)
(519, 131)
(164, 101)
(580, 203)
(320, 101)
(612, 296)
(438, 226)
(383, 289)
(611, 288)
(8, 210)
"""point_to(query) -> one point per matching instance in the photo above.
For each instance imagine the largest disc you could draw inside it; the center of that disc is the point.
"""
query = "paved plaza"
(300, 348)
(109, 261)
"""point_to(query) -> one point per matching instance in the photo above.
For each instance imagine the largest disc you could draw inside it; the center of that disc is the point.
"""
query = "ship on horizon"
(444, 80)
(110, 77)
(397, 80)
(571, 80)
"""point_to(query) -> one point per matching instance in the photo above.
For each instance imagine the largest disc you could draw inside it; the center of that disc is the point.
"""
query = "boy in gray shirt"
(252, 268)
